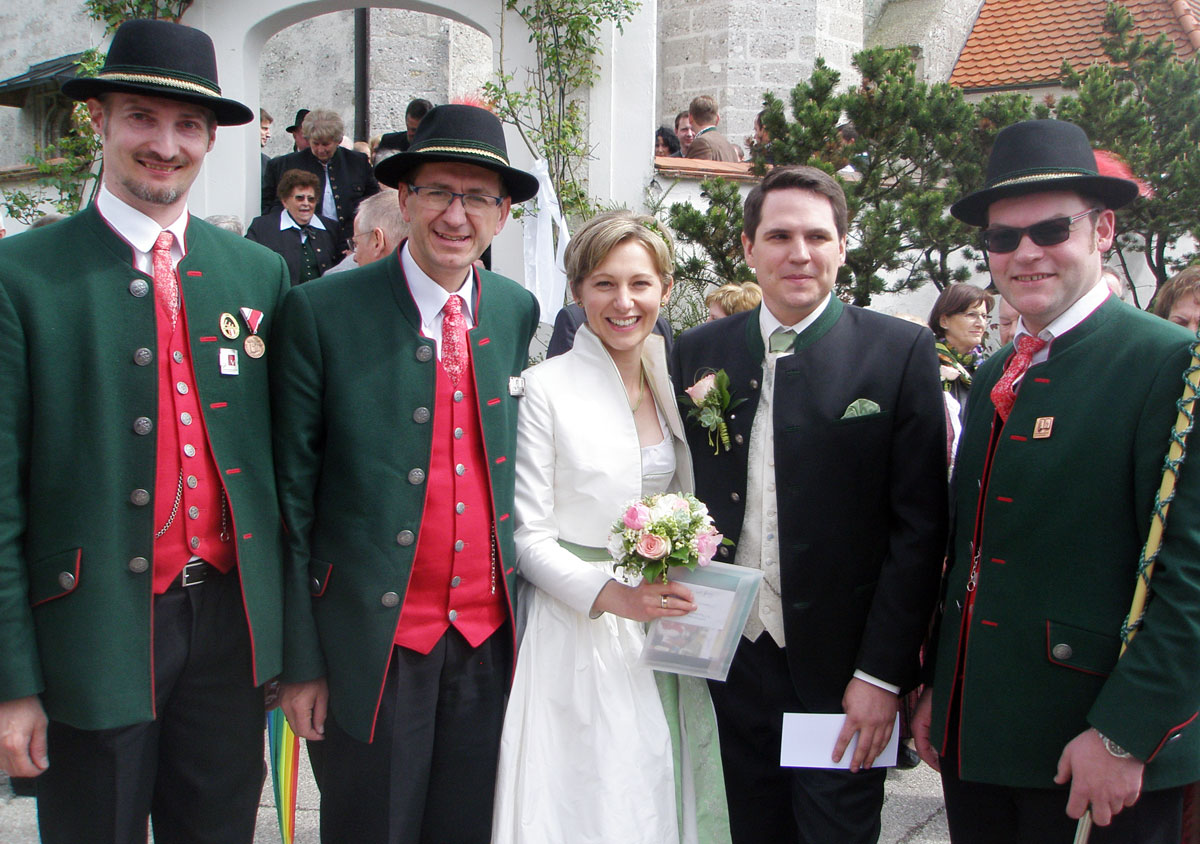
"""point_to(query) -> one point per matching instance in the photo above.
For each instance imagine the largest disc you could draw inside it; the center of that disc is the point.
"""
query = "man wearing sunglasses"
(395, 389)
(1032, 717)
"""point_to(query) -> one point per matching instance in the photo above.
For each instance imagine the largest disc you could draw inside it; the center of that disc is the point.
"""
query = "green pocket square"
(860, 407)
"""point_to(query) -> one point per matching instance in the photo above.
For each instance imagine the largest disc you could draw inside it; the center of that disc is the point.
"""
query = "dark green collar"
(810, 335)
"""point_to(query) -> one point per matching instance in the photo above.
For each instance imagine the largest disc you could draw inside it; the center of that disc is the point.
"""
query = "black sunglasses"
(1002, 239)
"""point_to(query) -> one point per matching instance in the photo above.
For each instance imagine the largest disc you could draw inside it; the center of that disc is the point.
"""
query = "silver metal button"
(459, 545)
(177, 356)
(192, 481)
(738, 438)
(140, 497)
(421, 415)
(405, 537)
(142, 425)
(453, 614)
(193, 512)
(194, 542)
(460, 508)
(66, 580)
(143, 356)
(189, 450)
(181, 387)
(1062, 651)
(454, 581)
(733, 496)
(314, 585)
(390, 599)
(139, 287)
(139, 565)
(723, 551)
(185, 418)
(460, 470)
(753, 383)
(416, 476)
(458, 395)
(424, 353)
(458, 433)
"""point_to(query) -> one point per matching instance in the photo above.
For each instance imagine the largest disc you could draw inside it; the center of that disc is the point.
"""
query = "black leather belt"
(195, 573)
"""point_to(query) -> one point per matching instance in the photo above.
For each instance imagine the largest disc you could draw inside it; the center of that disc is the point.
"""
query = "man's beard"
(155, 196)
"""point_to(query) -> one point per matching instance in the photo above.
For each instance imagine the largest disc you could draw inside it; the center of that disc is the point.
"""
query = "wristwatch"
(1112, 747)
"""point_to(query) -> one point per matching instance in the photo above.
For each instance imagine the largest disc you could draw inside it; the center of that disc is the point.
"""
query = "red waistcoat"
(455, 576)
(196, 530)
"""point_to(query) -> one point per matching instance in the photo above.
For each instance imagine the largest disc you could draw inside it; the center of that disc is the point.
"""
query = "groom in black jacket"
(834, 485)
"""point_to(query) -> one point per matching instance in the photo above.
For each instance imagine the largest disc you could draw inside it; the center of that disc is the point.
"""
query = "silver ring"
(664, 601)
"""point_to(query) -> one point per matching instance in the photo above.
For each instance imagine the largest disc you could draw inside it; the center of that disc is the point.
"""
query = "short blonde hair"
(323, 126)
(604, 232)
(735, 298)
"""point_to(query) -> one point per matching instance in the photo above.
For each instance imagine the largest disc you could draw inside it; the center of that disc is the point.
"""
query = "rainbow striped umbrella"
(285, 757)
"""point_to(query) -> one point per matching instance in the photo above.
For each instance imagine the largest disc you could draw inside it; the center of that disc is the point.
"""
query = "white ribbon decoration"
(545, 273)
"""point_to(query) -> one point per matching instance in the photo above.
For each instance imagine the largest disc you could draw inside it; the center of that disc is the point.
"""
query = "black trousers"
(196, 770)
(982, 813)
(768, 803)
(429, 775)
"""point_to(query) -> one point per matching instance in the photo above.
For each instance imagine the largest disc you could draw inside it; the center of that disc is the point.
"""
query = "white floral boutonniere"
(711, 400)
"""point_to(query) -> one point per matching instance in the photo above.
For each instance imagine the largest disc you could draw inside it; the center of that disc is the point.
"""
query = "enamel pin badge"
(229, 361)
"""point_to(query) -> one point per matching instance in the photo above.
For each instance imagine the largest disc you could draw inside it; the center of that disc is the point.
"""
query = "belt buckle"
(193, 574)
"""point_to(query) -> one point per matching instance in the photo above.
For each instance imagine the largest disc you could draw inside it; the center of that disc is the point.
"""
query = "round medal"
(229, 326)
(255, 347)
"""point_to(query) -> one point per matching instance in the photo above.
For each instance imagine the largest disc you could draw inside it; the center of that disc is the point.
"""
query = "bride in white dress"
(597, 749)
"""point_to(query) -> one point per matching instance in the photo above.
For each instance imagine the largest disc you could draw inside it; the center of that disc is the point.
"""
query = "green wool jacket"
(75, 610)
(1064, 520)
(349, 374)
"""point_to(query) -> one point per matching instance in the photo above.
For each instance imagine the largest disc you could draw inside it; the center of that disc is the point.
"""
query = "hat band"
(167, 81)
(1042, 177)
(474, 151)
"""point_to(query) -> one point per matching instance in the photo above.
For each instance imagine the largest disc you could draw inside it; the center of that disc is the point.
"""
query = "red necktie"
(1004, 393)
(166, 285)
(454, 339)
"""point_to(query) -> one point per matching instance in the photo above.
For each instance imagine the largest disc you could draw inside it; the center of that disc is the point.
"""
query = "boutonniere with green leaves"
(711, 400)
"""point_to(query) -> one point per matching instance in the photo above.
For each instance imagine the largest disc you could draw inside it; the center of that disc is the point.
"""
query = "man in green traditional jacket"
(395, 390)
(140, 536)
(1032, 717)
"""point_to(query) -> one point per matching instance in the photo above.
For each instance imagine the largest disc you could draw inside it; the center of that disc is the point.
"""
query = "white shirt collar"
(286, 222)
(135, 228)
(767, 321)
(429, 295)
(1080, 310)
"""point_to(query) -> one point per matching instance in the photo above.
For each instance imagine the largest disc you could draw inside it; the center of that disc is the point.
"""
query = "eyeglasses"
(970, 316)
(1003, 239)
(439, 199)
(354, 239)
(304, 197)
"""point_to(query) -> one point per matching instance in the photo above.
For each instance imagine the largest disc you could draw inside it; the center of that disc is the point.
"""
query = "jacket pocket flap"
(54, 576)
(318, 576)
(1081, 650)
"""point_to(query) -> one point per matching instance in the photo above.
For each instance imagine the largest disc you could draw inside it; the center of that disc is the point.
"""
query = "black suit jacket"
(862, 500)
(265, 230)
(350, 174)
(571, 316)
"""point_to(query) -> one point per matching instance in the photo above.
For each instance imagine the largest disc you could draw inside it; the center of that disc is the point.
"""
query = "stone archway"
(621, 104)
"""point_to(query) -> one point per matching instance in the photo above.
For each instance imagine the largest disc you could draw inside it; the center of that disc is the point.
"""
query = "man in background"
(708, 144)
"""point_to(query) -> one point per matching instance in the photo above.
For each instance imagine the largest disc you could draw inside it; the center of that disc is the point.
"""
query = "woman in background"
(959, 320)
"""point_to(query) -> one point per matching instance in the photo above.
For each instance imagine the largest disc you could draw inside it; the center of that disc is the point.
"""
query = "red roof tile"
(1023, 42)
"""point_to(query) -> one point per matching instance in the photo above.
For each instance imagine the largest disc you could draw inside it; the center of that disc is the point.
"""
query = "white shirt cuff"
(875, 681)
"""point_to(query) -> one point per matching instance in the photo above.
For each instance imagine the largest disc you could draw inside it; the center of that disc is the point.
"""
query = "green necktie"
(782, 340)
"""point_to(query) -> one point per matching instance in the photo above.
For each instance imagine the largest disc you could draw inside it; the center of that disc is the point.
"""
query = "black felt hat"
(1037, 156)
(162, 59)
(299, 121)
(461, 133)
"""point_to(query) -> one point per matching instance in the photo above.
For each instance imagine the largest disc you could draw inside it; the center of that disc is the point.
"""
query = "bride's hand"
(644, 602)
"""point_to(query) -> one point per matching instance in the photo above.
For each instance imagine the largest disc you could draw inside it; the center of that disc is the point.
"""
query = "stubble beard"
(155, 196)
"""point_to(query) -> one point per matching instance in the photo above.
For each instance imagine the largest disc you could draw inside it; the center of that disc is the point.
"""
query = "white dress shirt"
(1080, 310)
(286, 222)
(431, 298)
(139, 231)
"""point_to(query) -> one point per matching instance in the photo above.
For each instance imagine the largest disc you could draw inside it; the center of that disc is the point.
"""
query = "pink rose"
(653, 547)
(637, 516)
(707, 544)
(699, 391)
(681, 504)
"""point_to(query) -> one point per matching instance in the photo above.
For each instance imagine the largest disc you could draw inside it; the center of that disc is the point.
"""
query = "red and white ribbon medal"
(255, 347)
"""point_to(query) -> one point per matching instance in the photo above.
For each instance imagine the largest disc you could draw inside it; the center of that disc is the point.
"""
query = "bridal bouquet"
(663, 530)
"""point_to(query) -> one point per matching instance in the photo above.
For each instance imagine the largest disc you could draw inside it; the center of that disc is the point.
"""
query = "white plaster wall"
(939, 27)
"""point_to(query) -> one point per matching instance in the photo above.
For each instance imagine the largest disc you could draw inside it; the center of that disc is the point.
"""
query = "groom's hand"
(870, 712)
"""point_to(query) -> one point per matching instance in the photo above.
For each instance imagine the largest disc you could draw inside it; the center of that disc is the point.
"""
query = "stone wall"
(938, 27)
(311, 65)
(736, 51)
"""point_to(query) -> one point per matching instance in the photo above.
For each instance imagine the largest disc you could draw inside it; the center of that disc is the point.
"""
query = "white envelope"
(808, 742)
